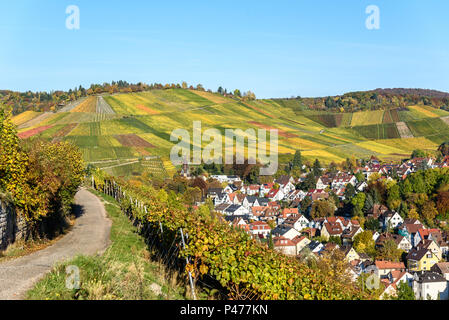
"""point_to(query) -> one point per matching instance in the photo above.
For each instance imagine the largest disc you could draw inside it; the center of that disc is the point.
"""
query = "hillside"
(130, 133)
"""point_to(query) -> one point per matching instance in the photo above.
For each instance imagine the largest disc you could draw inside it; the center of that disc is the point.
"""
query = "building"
(430, 286)
(421, 259)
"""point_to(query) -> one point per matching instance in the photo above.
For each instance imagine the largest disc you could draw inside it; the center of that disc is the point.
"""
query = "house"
(286, 184)
(300, 242)
(409, 229)
(257, 212)
(295, 194)
(285, 231)
(315, 246)
(391, 219)
(342, 180)
(401, 241)
(441, 268)
(421, 259)
(350, 253)
(222, 207)
(349, 234)
(287, 212)
(323, 182)
(430, 285)
(376, 211)
(383, 267)
(224, 178)
(250, 201)
(275, 195)
(260, 229)
(392, 281)
(426, 233)
(240, 223)
(361, 186)
(284, 245)
(331, 230)
(265, 188)
(220, 198)
(432, 246)
(317, 194)
(236, 210)
(297, 221)
(236, 198)
(252, 189)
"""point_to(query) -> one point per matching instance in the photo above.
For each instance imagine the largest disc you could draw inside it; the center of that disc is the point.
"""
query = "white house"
(285, 245)
(430, 286)
(276, 195)
(236, 210)
(259, 228)
(392, 220)
(286, 232)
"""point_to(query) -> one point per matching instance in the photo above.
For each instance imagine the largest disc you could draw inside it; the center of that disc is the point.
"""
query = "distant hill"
(414, 92)
(129, 133)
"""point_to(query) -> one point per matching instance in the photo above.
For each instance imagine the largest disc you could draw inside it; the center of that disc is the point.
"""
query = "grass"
(124, 272)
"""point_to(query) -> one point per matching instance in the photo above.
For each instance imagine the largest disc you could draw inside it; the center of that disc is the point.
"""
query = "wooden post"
(192, 286)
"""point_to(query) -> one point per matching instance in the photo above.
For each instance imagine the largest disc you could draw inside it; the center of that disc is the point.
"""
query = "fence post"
(192, 286)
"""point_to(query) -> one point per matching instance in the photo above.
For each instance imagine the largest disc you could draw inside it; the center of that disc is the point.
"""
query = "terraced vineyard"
(121, 130)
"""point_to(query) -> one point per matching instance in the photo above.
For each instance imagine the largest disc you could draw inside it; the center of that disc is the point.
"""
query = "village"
(290, 220)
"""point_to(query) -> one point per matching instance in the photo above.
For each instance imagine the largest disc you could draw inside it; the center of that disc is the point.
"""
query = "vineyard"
(242, 266)
(140, 124)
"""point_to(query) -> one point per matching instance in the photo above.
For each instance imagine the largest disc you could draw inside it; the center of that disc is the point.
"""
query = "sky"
(273, 48)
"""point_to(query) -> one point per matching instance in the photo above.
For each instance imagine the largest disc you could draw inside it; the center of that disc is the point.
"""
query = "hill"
(129, 133)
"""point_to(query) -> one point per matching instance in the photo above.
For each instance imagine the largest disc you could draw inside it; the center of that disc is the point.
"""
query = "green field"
(148, 119)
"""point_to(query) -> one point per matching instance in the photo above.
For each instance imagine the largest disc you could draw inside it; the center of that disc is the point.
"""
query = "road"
(89, 236)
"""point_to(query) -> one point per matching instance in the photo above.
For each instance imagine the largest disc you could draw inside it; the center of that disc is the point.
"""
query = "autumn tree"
(364, 243)
(322, 208)
(389, 251)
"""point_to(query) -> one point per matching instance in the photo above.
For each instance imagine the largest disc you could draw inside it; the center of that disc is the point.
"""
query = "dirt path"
(89, 236)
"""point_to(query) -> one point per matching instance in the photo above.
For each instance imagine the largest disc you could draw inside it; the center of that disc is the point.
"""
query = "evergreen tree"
(297, 160)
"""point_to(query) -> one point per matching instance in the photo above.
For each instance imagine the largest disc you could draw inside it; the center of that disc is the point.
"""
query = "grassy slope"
(154, 115)
(123, 272)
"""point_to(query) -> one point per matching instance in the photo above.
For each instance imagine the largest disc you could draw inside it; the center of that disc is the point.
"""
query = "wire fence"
(164, 245)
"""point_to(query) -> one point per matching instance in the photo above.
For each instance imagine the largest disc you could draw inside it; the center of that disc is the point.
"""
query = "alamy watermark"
(72, 281)
(373, 20)
(257, 148)
(72, 22)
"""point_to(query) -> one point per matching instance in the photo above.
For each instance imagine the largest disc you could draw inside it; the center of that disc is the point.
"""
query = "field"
(89, 105)
(367, 118)
(119, 132)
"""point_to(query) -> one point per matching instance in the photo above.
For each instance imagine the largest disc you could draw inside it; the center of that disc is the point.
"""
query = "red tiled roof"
(382, 264)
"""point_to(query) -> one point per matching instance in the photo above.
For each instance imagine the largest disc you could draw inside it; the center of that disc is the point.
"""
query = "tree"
(350, 191)
(443, 203)
(444, 149)
(316, 169)
(308, 183)
(358, 201)
(418, 154)
(220, 90)
(405, 292)
(372, 224)
(323, 208)
(297, 160)
(393, 197)
(237, 93)
(270, 241)
(184, 85)
(429, 212)
(364, 243)
(413, 214)
(335, 239)
(390, 251)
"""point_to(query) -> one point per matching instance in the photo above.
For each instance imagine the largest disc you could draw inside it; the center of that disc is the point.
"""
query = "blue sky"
(274, 48)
